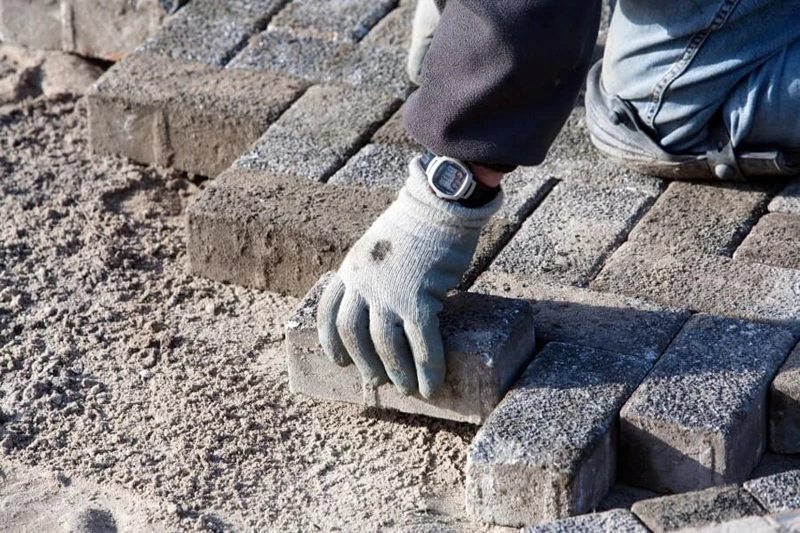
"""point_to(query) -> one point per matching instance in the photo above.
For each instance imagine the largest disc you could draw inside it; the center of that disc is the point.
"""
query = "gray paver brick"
(319, 132)
(617, 521)
(212, 31)
(488, 342)
(338, 20)
(394, 133)
(376, 165)
(593, 319)
(701, 218)
(784, 405)
(191, 116)
(321, 61)
(394, 30)
(549, 449)
(568, 236)
(700, 282)
(775, 241)
(275, 233)
(36, 24)
(788, 200)
(699, 418)
(696, 509)
(777, 493)
(623, 497)
(777, 523)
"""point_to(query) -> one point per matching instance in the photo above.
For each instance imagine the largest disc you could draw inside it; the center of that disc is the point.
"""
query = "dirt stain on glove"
(380, 251)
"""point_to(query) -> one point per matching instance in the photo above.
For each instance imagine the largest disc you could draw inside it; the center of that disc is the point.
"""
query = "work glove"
(381, 309)
(426, 18)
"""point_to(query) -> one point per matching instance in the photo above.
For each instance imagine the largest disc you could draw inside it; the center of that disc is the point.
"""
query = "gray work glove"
(381, 310)
(426, 18)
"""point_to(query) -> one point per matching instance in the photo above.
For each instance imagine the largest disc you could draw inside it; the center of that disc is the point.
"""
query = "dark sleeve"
(501, 77)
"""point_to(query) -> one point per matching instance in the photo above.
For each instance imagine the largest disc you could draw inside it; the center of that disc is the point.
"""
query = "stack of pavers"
(666, 314)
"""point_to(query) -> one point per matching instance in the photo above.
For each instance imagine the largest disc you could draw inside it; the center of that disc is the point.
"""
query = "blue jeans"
(684, 64)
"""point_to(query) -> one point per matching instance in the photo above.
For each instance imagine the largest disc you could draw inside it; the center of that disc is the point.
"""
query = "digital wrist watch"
(451, 179)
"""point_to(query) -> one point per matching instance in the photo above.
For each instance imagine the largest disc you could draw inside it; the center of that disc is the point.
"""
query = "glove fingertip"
(327, 329)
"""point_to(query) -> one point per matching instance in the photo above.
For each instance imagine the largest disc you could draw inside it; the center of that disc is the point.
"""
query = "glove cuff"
(441, 211)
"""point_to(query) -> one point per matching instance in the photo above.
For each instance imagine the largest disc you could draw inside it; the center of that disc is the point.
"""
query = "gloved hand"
(426, 18)
(381, 310)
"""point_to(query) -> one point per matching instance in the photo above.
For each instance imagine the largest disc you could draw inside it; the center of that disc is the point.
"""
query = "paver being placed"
(108, 29)
(616, 521)
(713, 284)
(321, 61)
(701, 218)
(695, 509)
(337, 20)
(699, 419)
(212, 31)
(788, 200)
(784, 407)
(168, 112)
(488, 341)
(549, 449)
(319, 132)
(276, 233)
(775, 240)
(587, 318)
(566, 238)
(777, 493)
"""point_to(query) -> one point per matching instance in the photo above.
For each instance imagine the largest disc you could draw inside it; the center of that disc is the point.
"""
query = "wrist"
(487, 176)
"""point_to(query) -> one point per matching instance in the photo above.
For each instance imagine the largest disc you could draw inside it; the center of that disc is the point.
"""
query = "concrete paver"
(338, 20)
(777, 493)
(623, 497)
(394, 133)
(708, 283)
(696, 509)
(587, 318)
(549, 449)
(376, 165)
(322, 61)
(777, 523)
(788, 199)
(775, 241)
(488, 342)
(617, 521)
(394, 30)
(701, 218)
(784, 407)
(276, 233)
(699, 419)
(167, 112)
(312, 139)
(567, 237)
(212, 31)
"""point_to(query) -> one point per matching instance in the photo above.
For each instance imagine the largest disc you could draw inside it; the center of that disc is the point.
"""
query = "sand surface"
(134, 397)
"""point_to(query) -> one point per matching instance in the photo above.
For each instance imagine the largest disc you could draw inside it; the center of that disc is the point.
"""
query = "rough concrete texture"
(394, 30)
(321, 61)
(276, 233)
(617, 521)
(394, 133)
(788, 522)
(623, 497)
(572, 157)
(567, 238)
(701, 218)
(549, 449)
(212, 31)
(488, 342)
(777, 493)
(108, 29)
(187, 115)
(337, 20)
(696, 509)
(707, 283)
(775, 241)
(784, 407)
(319, 132)
(592, 319)
(699, 419)
(376, 165)
(788, 200)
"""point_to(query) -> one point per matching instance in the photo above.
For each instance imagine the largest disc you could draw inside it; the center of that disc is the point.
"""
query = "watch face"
(449, 179)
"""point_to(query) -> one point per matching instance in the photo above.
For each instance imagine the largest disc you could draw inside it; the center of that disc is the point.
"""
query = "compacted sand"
(134, 397)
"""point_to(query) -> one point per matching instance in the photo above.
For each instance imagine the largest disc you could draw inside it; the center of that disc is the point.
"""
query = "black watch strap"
(480, 196)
